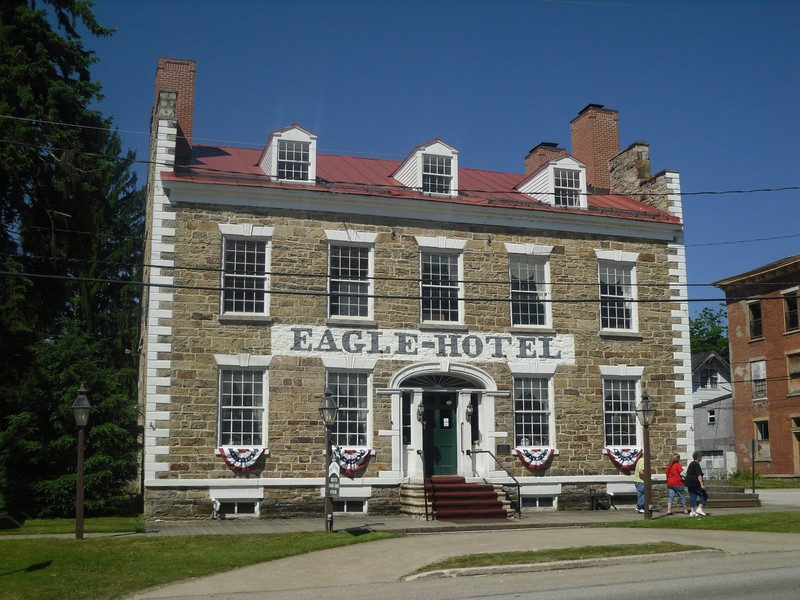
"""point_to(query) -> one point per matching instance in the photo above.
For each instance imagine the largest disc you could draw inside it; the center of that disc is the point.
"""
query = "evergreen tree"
(71, 221)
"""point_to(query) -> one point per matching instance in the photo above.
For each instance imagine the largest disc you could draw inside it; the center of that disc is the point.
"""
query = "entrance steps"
(721, 494)
(453, 498)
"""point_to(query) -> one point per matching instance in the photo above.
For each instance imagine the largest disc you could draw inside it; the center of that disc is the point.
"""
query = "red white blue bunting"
(535, 458)
(352, 460)
(240, 459)
(624, 458)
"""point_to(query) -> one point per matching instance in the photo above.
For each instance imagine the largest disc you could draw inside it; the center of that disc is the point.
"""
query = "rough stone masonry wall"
(295, 384)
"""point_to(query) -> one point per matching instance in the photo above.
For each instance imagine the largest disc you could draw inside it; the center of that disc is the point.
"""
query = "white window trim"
(354, 238)
(410, 171)
(247, 231)
(625, 259)
(360, 366)
(630, 373)
(538, 251)
(444, 243)
(252, 362)
(551, 417)
(541, 185)
(294, 133)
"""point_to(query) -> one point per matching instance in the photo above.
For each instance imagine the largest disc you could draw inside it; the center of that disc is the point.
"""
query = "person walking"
(638, 482)
(675, 484)
(696, 486)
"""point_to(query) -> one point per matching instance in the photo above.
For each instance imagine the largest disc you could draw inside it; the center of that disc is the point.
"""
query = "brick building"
(764, 338)
(465, 321)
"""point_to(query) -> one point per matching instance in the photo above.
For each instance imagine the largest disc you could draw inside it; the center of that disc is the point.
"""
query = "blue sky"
(712, 85)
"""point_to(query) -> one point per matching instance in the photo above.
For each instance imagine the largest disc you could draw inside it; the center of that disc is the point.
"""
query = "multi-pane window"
(528, 291)
(350, 282)
(241, 407)
(712, 416)
(440, 286)
(758, 375)
(762, 439)
(619, 412)
(244, 276)
(437, 174)
(756, 325)
(293, 160)
(793, 371)
(616, 295)
(790, 313)
(567, 187)
(350, 391)
(709, 378)
(531, 412)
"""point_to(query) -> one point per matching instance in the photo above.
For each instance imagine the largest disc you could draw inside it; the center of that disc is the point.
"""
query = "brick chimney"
(541, 155)
(177, 75)
(595, 141)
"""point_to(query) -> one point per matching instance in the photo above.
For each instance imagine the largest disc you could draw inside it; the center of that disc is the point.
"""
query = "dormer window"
(291, 155)
(431, 168)
(437, 174)
(560, 182)
(567, 187)
(293, 160)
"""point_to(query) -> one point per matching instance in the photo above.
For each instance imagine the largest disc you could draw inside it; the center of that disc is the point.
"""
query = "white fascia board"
(430, 210)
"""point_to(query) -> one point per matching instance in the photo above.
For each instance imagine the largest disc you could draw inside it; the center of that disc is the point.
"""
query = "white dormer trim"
(294, 133)
(541, 184)
(410, 173)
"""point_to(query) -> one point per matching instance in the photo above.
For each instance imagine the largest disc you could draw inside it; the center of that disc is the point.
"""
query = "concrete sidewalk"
(429, 541)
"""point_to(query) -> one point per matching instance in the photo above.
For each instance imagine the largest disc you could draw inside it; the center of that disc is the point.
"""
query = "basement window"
(349, 506)
(235, 509)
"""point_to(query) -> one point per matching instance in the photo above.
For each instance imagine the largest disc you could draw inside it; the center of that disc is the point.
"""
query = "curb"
(556, 565)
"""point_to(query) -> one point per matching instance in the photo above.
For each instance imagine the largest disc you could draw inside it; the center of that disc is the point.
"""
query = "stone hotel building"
(467, 322)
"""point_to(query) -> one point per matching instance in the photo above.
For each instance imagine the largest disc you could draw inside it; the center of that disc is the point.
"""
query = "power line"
(374, 186)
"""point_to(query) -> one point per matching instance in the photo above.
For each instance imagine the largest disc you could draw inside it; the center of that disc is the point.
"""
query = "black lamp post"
(645, 412)
(328, 411)
(80, 409)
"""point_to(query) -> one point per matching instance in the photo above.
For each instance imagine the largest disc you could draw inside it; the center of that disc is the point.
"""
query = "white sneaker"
(692, 514)
(700, 512)
(640, 510)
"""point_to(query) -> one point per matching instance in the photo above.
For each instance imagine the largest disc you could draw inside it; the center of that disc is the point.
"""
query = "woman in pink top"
(675, 484)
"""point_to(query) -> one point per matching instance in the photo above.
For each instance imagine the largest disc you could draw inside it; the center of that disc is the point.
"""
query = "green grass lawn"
(773, 522)
(93, 525)
(118, 566)
(557, 554)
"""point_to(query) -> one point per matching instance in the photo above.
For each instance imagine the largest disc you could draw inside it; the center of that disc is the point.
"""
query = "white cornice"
(410, 208)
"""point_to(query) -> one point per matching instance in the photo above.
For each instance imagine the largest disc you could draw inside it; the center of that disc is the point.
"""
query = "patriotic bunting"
(240, 459)
(624, 458)
(352, 460)
(535, 458)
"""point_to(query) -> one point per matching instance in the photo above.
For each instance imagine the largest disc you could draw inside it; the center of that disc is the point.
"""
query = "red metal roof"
(357, 175)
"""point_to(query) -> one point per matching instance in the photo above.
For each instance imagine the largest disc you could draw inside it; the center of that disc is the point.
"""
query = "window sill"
(234, 319)
(363, 323)
(442, 326)
(264, 453)
(753, 340)
(532, 329)
(628, 335)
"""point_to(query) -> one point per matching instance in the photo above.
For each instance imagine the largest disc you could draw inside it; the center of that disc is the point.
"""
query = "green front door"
(439, 433)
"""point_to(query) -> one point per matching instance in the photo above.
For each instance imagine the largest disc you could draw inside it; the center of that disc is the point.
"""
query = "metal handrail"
(424, 482)
(502, 466)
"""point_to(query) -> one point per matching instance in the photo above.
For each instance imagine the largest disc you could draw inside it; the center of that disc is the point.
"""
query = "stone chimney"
(177, 76)
(541, 155)
(595, 141)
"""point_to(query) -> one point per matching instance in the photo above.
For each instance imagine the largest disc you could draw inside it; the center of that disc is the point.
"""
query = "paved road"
(336, 573)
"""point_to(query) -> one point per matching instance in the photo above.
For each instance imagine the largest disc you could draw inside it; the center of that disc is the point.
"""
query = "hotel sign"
(303, 340)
